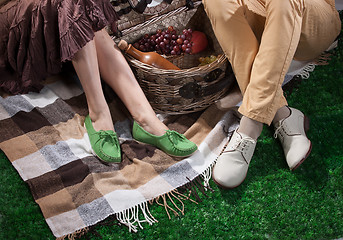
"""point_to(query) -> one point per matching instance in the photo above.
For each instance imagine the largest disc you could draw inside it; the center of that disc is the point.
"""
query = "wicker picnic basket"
(194, 87)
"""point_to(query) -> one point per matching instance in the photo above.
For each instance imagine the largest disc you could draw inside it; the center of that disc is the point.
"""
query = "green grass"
(272, 203)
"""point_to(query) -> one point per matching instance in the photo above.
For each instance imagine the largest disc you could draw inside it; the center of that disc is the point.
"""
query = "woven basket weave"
(194, 87)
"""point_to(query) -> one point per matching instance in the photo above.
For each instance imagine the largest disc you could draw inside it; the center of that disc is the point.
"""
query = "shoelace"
(278, 130)
(108, 135)
(242, 143)
(175, 137)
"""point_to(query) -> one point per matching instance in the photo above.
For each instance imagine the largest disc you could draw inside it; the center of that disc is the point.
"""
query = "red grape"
(162, 45)
(176, 48)
(166, 41)
(179, 41)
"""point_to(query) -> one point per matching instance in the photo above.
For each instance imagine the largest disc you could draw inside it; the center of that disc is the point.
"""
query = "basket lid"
(149, 9)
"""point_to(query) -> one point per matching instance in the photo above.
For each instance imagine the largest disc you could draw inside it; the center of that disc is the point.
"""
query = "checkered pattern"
(42, 134)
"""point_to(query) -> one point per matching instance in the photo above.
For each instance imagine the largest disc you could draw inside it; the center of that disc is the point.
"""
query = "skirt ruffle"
(37, 36)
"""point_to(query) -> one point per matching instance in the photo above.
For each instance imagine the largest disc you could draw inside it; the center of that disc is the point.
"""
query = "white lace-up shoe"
(232, 165)
(291, 133)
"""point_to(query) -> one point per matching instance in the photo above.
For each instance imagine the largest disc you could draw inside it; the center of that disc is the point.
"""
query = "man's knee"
(285, 6)
(222, 10)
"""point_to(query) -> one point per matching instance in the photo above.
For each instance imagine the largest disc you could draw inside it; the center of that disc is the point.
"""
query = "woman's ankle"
(152, 125)
(101, 120)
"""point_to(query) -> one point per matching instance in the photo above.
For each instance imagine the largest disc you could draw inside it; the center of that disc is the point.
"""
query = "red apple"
(199, 42)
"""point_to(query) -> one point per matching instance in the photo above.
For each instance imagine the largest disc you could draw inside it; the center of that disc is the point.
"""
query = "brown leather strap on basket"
(194, 90)
(141, 5)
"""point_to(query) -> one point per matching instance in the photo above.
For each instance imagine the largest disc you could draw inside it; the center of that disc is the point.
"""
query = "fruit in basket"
(207, 60)
(166, 41)
(199, 42)
(169, 42)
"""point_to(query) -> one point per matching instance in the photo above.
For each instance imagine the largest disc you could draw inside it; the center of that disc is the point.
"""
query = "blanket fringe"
(172, 202)
(74, 235)
(306, 71)
(323, 59)
(207, 175)
(130, 217)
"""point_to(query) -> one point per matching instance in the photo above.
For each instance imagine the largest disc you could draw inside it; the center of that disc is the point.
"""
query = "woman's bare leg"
(86, 66)
(116, 72)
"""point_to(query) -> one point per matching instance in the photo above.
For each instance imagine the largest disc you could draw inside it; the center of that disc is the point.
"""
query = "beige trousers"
(261, 37)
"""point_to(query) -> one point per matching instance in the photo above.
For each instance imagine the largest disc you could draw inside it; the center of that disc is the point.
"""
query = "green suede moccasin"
(172, 142)
(105, 144)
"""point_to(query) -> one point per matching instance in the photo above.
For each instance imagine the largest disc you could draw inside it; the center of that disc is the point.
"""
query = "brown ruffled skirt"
(37, 36)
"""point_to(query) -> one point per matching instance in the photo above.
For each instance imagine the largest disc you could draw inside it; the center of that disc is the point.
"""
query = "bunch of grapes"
(166, 42)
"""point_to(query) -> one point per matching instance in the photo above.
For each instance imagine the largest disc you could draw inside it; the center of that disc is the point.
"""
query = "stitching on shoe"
(100, 141)
(170, 133)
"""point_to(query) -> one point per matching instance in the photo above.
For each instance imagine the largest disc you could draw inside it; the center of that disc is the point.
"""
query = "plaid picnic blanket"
(42, 134)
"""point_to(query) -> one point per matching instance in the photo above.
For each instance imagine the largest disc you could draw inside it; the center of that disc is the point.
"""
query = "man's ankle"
(282, 113)
(250, 127)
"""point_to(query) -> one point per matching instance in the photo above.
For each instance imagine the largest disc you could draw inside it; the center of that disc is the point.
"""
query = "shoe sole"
(224, 187)
(306, 128)
(307, 154)
(106, 163)
(164, 151)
